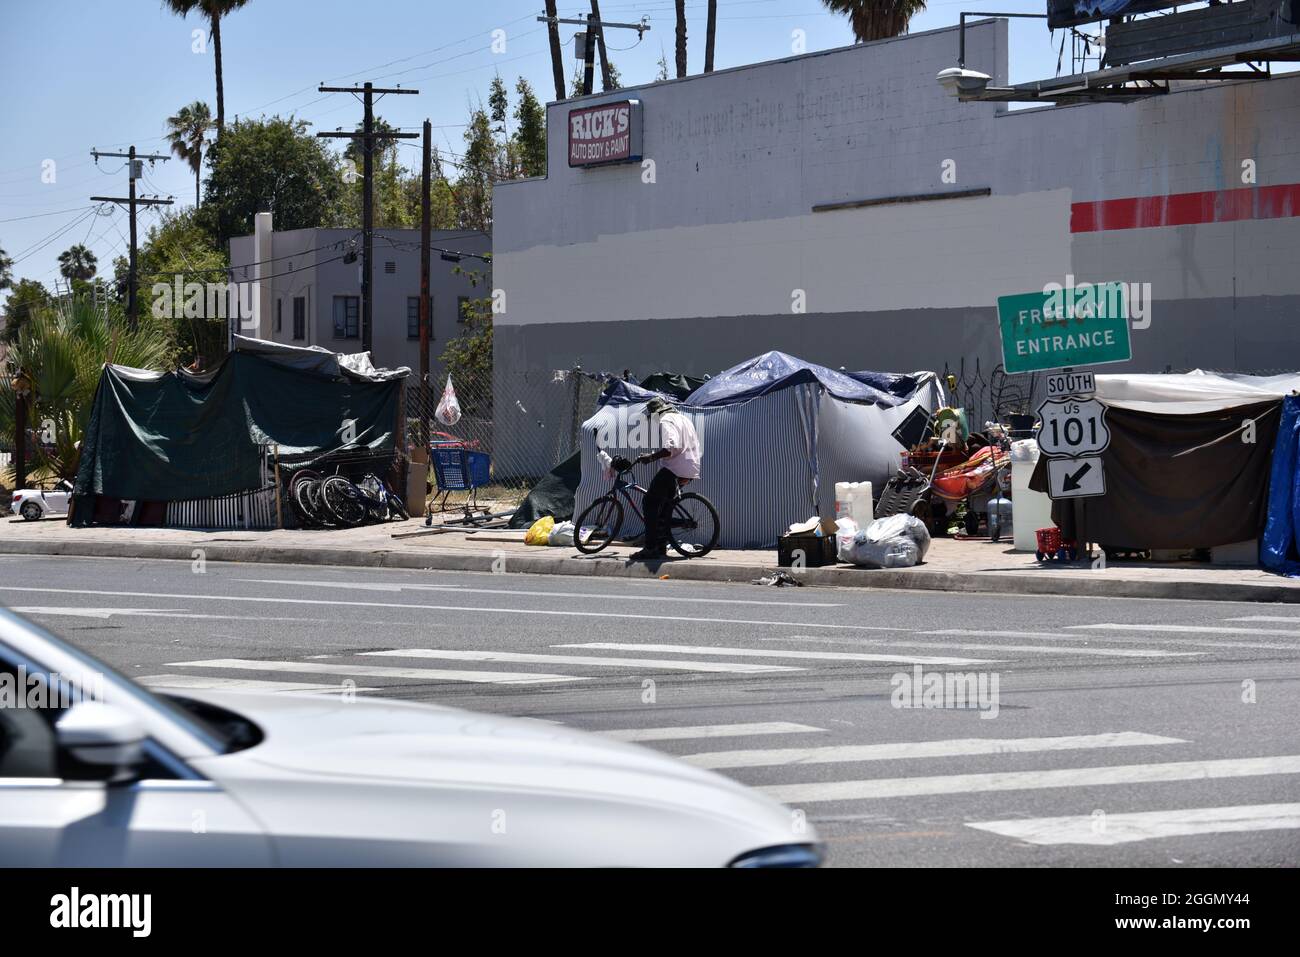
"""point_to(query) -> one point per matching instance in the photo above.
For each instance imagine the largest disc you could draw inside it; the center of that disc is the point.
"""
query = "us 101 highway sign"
(1072, 427)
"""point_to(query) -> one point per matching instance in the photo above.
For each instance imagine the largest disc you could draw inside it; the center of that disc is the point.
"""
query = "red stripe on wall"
(1185, 209)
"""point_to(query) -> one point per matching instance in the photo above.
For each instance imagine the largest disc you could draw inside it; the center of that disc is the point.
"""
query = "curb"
(919, 579)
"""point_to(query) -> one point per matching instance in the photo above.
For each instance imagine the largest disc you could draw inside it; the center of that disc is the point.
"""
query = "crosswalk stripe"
(1054, 649)
(208, 683)
(777, 653)
(1032, 780)
(1060, 636)
(835, 754)
(1293, 619)
(1146, 825)
(525, 658)
(377, 671)
(686, 732)
(1189, 629)
(604, 596)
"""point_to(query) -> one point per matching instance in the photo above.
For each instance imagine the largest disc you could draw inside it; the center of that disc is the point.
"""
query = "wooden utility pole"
(710, 34)
(681, 38)
(426, 318)
(134, 170)
(367, 137)
(595, 34)
(557, 57)
(606, 80)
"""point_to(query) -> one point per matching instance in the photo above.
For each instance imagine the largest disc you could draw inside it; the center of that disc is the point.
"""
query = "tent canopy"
(778, 370)
(168, 436)
(1192, 393)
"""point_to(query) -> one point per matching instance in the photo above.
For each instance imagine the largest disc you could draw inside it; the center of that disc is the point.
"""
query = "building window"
(279, 314)
(347, 317)
(412, 317)
(460, 308)
(299, 317)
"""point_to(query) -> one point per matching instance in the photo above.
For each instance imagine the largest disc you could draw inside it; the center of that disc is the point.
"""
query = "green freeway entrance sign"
(1064, 327)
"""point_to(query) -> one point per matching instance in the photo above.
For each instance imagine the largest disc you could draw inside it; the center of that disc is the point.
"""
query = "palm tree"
(877, 19)
(77, 262)
(681, 38)
(214, 10)
(187, 132)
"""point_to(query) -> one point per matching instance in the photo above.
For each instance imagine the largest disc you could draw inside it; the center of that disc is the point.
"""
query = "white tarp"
(1192, 393)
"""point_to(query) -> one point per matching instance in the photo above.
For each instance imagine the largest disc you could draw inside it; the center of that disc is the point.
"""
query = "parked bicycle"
(337, 502)
(692, 530)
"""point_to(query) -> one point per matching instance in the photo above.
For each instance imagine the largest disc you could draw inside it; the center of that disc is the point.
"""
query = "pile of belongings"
(974, 475)
(898, 541)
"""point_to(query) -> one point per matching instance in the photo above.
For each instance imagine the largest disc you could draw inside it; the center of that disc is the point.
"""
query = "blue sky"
(91, 73)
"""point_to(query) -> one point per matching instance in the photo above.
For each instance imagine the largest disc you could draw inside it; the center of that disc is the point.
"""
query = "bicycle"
(692, 530)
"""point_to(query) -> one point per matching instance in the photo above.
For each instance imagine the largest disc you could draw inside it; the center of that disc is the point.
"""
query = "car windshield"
(219, 736)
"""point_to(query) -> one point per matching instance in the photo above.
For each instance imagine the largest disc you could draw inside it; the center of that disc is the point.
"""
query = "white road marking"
(563, 613)
(74, 611)
(1146, 825)
(899, 751)
(1293, 619)
(206, 683)
(776, 653)
(1056, 650)
(377, 671)
(1146, 639)
(398, 587)
(1189, 629)
(1033, 780)
(687, 732)
(526, 658)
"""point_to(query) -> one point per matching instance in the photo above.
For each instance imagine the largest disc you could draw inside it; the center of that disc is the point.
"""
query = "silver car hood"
(510, 788)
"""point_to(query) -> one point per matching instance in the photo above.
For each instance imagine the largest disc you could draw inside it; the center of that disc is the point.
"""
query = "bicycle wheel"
(693, 530)
(315, 507)
(598, 525)
(343, 501)
(299, 499)
(396, 507)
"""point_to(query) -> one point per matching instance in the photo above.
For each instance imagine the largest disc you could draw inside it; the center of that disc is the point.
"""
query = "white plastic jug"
(853, 500)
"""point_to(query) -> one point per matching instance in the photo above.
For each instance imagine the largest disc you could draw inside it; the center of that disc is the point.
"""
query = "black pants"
(659, 499)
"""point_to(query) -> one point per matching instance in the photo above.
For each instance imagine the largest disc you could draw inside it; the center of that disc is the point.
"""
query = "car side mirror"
(104, 737)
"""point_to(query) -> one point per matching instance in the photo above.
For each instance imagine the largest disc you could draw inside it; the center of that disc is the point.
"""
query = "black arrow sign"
(1072, 481)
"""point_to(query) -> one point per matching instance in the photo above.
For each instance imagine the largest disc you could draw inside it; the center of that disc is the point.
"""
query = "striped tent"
(770, 459)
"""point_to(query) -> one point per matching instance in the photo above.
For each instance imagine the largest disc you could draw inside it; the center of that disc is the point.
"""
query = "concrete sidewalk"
(952, 566)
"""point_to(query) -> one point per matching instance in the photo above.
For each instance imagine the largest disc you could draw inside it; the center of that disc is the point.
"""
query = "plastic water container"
(853, 500)
(1032, 510)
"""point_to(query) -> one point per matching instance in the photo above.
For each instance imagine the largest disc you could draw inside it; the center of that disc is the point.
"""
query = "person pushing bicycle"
(679, 450)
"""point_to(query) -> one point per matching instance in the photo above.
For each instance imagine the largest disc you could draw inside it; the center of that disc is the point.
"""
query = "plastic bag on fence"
(561, 535)
(448, 411)
(539, 533)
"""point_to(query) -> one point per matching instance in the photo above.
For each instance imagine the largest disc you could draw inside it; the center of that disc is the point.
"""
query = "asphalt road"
(1102, 732)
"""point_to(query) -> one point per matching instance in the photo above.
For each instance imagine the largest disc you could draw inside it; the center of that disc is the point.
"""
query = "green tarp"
(176, 436)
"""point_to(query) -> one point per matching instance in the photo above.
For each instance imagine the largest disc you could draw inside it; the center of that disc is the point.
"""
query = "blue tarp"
(1279, 547)
(777, 370)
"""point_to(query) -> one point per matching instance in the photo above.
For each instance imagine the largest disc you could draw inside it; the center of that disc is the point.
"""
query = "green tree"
(478, 173)
(77, 262)
(187, 133)
(63, 349)
(876, 19)
(26, 296)
(468, 356)
(214, 10)
(6, 271)
(396, 188)
(177, 247)
(530, 133)
(271, 164)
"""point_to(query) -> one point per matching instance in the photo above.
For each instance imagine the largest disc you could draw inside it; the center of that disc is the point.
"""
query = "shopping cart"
(458, 469)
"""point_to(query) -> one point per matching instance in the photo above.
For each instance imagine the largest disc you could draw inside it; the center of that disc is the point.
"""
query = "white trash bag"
(561, 535)
(448, 411)
(899, 541)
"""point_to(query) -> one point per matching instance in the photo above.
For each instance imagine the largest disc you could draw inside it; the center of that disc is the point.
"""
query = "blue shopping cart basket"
(458, 469)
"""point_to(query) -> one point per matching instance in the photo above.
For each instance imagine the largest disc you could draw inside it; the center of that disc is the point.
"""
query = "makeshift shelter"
(777, 434)
(1188, 465)
(167, 437)
(1279, 548)
(553, 494)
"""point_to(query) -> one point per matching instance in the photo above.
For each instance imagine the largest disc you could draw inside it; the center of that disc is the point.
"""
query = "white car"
(34, 503)
(137, 778)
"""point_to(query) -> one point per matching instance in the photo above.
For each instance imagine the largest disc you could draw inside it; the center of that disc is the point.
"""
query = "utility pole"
(367, 137)
(606, 81)
(134, 170)
(557, 58)
(595, 34)
(426, 319)
(710, 35)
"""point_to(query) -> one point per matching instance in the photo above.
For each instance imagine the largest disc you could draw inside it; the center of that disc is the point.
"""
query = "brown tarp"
(1176, 481)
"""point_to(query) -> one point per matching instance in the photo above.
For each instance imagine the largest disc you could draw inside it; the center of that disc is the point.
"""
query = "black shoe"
(648, 555)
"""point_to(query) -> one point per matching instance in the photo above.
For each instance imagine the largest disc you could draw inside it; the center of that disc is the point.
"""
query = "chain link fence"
(525, 422)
